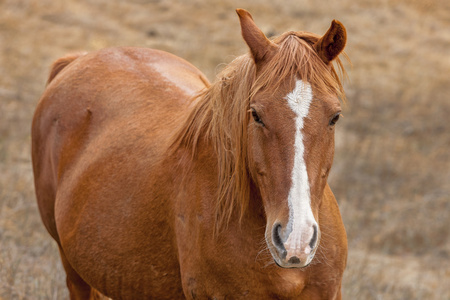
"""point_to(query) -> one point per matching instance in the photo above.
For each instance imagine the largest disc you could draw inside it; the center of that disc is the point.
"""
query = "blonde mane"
(221, 113)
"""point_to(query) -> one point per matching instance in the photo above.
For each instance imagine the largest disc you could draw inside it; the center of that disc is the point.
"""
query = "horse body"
(134, 218)
(101, 151)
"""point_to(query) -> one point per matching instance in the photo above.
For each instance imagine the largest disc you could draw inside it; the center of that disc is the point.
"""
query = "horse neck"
(199, 188)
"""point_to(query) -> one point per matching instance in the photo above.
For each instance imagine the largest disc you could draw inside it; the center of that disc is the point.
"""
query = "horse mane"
(221, 112)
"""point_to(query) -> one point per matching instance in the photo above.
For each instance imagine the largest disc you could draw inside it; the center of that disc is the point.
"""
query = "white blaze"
(301, 218)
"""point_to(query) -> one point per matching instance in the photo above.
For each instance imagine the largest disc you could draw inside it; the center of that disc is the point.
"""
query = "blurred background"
(391, 174)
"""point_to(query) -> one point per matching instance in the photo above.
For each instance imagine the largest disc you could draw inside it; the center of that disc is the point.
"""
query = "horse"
(157, 184)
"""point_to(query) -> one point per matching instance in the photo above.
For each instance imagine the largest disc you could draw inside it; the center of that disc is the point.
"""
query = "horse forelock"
(296, 56)
(221, 112)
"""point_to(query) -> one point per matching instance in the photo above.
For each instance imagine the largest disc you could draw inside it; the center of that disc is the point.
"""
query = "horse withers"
(156, 184)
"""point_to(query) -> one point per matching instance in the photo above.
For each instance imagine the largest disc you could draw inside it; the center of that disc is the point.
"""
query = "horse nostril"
(312, 243)
(276, 238)
(294, 260)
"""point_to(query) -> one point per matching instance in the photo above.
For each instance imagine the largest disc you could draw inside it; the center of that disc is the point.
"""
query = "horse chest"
(255, 291)
(242, 282)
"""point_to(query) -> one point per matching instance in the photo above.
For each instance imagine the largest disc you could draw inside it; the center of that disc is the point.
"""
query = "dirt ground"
(392, 166)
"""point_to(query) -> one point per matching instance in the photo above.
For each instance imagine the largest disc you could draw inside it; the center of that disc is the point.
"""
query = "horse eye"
(256, 117)
(334, 119)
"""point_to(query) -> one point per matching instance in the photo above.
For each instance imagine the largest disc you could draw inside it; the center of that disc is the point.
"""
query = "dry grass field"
(392, 166)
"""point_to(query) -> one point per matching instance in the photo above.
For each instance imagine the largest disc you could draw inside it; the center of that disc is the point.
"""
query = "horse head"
(293, 109)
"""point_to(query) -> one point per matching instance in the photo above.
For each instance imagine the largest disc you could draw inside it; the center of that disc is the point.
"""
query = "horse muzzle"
(294, 248)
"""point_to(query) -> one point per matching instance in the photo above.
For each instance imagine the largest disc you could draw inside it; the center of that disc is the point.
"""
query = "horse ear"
(332, 43)
(260, 46)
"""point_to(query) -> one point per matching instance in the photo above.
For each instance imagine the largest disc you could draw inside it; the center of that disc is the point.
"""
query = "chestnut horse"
(156, 184)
